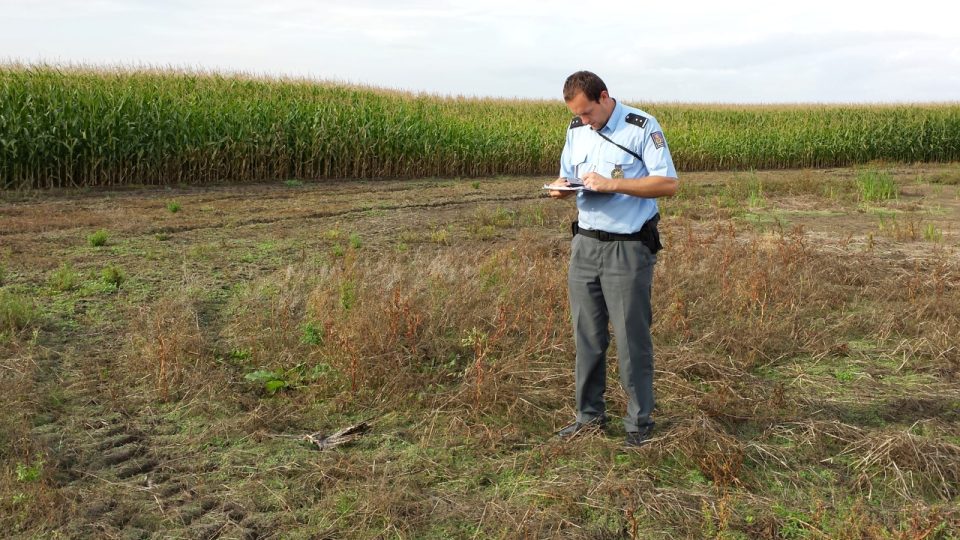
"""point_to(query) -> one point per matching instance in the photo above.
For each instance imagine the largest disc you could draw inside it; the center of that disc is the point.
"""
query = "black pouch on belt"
(651, 238)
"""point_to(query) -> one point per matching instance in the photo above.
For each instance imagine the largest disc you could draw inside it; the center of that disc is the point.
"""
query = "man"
(621, 157)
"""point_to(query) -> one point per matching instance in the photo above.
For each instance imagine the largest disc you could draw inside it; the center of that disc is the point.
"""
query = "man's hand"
(597, 182)
(560, 194)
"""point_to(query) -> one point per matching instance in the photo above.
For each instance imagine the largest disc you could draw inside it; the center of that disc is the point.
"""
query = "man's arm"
(649, 187)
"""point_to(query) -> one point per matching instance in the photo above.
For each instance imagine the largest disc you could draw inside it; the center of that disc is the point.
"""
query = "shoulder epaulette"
(636, 120)
(576, 122)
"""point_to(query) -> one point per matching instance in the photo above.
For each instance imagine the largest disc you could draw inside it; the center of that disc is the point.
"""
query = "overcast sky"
(699, 51)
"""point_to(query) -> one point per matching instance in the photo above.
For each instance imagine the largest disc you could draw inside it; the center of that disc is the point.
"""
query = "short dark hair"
(583, 81)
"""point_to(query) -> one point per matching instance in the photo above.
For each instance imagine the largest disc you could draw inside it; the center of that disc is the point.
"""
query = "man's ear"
(604, 95)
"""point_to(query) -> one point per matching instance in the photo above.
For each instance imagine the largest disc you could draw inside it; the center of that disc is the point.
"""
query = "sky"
(738, 51)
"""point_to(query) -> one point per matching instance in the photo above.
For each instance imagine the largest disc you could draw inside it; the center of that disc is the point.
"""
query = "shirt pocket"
(613, 158)
(582, 165)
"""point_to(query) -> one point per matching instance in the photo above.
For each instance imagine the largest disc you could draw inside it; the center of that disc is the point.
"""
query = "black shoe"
(636, 439)
(596, 425)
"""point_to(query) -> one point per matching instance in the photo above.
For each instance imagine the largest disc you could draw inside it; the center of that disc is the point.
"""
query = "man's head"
(587, 97)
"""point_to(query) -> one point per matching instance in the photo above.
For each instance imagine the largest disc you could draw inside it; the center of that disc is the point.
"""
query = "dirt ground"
(115, 457)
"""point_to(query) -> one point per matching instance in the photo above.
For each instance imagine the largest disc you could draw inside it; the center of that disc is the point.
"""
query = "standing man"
(620, 156)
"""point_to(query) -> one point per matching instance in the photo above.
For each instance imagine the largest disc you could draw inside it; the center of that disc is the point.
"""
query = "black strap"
(624, 148)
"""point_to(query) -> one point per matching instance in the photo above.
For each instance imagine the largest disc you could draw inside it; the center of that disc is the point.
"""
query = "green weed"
(16, 312)
(755, 195)
(900, 229)
(536, 216)
(320, 371)
(64, 278)
(98, 238)
(27, 473)
(876, 186)
(355, 241)
(485, 232)
(173, 207)
(501, 217)
(844, 375)
(348, 295)
(113, 275)
(275, 380)
(272, 381)
(311, 334)
(240, 355)
(932, 234)
(440, 236)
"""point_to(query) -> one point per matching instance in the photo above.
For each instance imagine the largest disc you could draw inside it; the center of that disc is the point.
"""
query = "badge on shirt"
(657, 137)
(617, 172)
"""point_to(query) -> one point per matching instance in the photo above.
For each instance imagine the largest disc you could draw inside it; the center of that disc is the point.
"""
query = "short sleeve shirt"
(586, 151)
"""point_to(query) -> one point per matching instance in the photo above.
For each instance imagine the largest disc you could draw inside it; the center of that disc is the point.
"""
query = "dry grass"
(805, 380)
(907, 462)
(169, 347)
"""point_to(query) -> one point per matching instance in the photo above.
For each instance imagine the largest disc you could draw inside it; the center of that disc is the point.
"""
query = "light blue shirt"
(586, 151)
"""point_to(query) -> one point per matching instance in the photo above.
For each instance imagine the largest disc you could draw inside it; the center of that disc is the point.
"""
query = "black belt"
(648, 234)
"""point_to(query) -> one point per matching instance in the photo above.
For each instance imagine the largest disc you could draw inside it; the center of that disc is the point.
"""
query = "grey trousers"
(610, 282)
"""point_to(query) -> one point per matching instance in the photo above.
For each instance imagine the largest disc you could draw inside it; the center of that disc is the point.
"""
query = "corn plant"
(77, 127)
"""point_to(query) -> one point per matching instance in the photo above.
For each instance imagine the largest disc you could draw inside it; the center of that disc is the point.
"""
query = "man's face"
(594, 114)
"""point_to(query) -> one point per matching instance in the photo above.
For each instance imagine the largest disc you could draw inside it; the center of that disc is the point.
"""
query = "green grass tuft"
(16, 312)
(98, 238)
(355, 241)
(113, 275)
(65, 278)
(876, 186)
(932, 234)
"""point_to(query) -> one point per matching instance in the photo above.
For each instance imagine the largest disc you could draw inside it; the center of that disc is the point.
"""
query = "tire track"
(13, 232)
(121, 472)
(335, 213)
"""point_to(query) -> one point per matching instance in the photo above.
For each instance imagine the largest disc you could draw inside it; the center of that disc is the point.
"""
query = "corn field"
(75, 127)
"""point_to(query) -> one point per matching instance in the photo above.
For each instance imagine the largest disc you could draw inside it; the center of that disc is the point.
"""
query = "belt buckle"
(603, 236)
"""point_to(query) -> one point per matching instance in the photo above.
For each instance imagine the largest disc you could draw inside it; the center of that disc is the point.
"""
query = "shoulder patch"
(576, 122)
(636, 120)
(658, 140)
